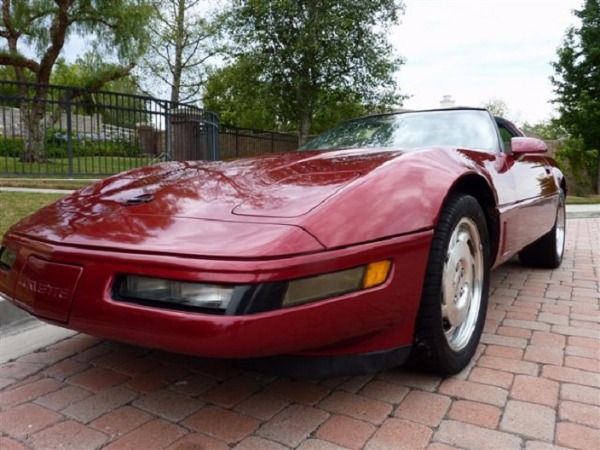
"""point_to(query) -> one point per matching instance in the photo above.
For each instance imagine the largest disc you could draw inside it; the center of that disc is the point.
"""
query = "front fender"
(401, 197)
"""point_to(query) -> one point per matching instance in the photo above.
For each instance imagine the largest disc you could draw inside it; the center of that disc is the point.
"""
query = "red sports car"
(370, 245)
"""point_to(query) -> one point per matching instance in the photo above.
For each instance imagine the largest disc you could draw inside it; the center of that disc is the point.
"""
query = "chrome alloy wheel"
(560, 227)
(462, 282)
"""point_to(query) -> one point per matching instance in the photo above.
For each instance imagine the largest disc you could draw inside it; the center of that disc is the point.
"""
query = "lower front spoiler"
(328, 366)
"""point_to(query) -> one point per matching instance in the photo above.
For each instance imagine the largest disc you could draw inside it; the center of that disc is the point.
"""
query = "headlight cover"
(7, 258)
(332, 284)
(181, 293)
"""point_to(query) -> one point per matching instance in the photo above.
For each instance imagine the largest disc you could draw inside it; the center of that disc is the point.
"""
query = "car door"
(533, 196)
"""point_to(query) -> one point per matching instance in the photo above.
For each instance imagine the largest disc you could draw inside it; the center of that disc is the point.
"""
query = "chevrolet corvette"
(369, 246)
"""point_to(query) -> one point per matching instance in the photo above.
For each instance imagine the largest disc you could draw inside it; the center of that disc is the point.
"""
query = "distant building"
(447, 102)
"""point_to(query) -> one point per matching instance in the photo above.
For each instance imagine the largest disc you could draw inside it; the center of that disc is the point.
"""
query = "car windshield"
(412, 130)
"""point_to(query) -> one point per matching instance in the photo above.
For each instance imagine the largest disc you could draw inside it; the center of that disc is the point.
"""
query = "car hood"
(243, 208)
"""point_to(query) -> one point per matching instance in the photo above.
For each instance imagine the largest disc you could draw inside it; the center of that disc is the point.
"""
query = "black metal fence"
(55, 130)
(237, 142)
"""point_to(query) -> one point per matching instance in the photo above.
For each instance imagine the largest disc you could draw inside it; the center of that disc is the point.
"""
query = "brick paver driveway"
(535, 383)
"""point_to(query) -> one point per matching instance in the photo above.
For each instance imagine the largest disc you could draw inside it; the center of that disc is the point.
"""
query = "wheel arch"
(477, 186)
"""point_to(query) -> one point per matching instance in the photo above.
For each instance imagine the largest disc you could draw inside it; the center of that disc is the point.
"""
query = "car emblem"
(138, 200)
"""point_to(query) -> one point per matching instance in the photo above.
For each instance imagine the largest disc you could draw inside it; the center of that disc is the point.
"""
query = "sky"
(474, 51)
(477, 50)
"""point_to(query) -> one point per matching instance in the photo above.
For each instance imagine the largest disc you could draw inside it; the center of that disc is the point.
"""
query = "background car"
(370, 245)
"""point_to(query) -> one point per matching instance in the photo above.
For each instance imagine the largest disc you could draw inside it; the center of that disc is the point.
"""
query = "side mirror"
(522, 145)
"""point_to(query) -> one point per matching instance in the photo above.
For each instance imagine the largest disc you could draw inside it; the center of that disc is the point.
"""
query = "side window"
(506, 135)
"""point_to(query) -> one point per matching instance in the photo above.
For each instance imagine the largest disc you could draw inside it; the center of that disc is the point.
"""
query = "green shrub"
(10, 146)
(57, 146)
(579, 166)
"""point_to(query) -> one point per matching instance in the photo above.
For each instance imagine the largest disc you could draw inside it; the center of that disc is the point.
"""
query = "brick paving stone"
(345, 431)
(193, 385)
(292, 425)
(217, 422)
(583, 342)
(583, 352)
(514, 332)
(577, 436)
(588, 364)
(258, 443)
(5, 382)
(121, 421)
(474, 391)
(231, 392)
(156, 378)
(68, 435)
(544, 355)
(75, 344)
(554, 319)
(405, 377)
(530, 324)
(198, 441)
(168, 404)
(317, 444)
(26, 419)
(539, 445)
(570, 375)
(217, 369)
(529, 419)
(297, 391)
(493, 377)
(65, 369)
(7, 443)
(472, 437)
(357, 406)
(591, 317)
(261, 406)
(400, 434)
(526, 316)
(155, 434)
(135, 366)
(384, 391)
(97, 379)
(535, 390)
(45, 356)
(62, 398)
(355, 383)
(547, 339)
(504, 352)
(90, 353)
(576, 331)
(579, 413)
(440, 446)
(95, 406)
(508, 365)
(475, 413)
(508, 341)
(423, 407)
(578, 393)
(27, 392)
(19, 370)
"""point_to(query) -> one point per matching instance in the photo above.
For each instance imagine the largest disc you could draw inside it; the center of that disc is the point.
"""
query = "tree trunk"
(598, 174)
(304, 129)
(33, 119)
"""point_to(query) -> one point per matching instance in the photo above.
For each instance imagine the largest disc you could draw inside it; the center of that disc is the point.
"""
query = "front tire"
(547, 252)
(455, 293)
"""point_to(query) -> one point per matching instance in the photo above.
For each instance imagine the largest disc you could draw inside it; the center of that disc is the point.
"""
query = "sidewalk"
(534, 384)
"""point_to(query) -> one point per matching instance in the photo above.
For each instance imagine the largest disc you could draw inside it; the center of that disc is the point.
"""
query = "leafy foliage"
(183, 39)
(577, 83)
(115, 28)
(312, 55)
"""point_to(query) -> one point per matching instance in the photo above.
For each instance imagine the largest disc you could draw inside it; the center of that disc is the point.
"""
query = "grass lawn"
(45, 184)
(16, 205)
(590, 200)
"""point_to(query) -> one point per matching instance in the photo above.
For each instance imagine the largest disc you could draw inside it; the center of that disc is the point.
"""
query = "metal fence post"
(69, 134)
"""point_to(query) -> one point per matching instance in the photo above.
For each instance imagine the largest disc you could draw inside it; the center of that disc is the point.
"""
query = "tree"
(307, 51)
(117, 28)
(496, 106)
(577, 82)
(182, 41)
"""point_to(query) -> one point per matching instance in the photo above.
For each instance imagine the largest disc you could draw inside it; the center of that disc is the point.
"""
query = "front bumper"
(71, 287)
